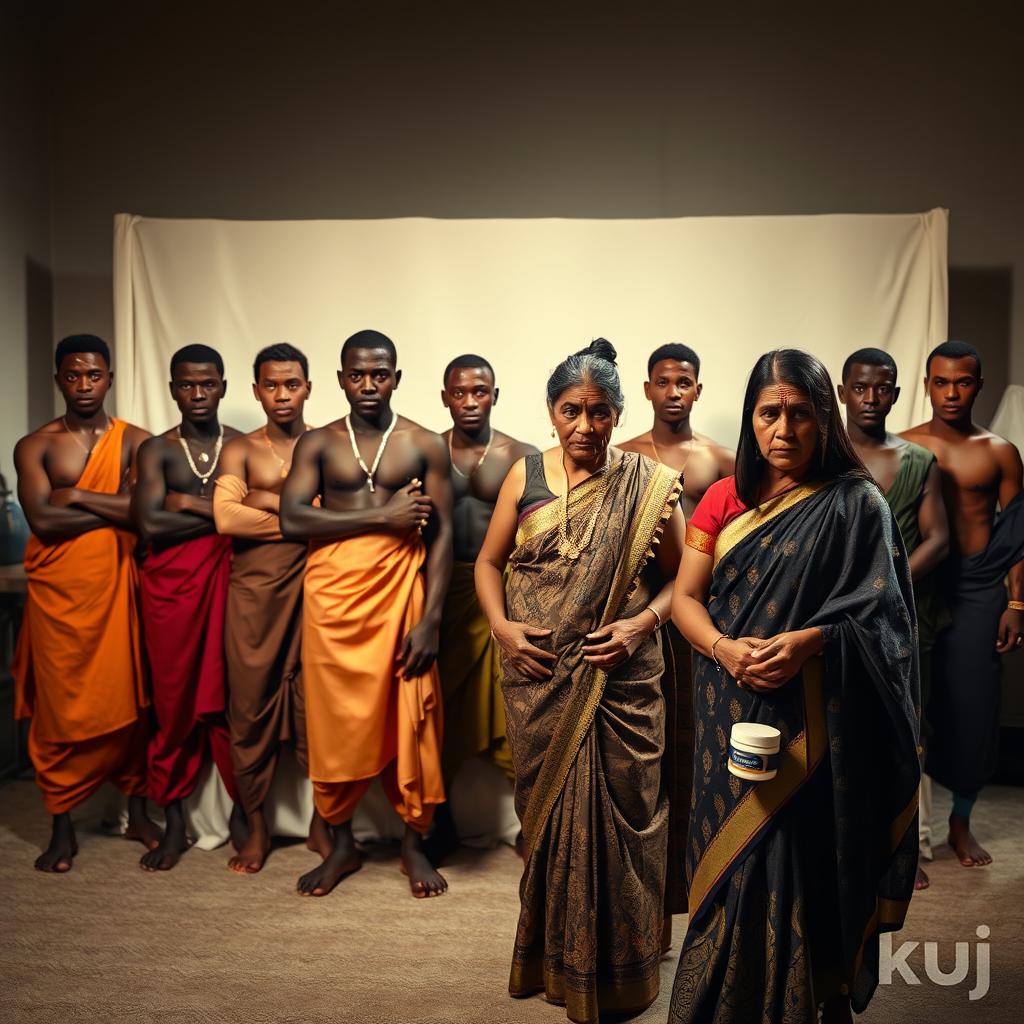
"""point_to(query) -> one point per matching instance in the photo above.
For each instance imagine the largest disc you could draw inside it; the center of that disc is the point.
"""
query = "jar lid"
(752, 734)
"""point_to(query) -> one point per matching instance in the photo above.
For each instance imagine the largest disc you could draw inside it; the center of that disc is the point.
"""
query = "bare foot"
(343, 859)
(238, 827)
(320, 839)
(969, 851)
(424, 881)
(922, 881)
(140, 826)
(253, 853)
(57, 857)
(172, 845)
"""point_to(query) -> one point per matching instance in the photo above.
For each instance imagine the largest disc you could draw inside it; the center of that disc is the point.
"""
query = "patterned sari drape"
(791, 880)
(587, 748)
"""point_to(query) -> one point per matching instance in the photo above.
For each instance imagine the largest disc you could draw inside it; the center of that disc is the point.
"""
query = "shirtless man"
(908, 475)
(468, 660)
(263, 628)
(184, 592)
(672, 388)
(980, 471)
(78, 669)
(371, 613)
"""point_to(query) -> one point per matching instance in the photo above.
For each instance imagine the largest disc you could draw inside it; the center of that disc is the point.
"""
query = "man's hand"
(419, 650)
(409, 508)
(64, 497)
(514, 640)
(615, 643)
(1010, 636)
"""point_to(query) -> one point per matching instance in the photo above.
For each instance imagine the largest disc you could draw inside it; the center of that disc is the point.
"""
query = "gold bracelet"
(1013, 606)
(724, 636)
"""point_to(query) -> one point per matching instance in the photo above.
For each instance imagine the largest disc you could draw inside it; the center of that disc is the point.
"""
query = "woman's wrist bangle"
(657, 617)
(1013, 606)
(714, 657)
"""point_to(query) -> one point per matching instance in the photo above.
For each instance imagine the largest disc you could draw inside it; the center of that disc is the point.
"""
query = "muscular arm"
(50, 523)
(114, 507)
(233, 510)
(300, 520)
(933, 523)
(152, 519)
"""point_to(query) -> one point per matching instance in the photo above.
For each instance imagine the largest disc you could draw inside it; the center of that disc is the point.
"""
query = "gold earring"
(552, 431)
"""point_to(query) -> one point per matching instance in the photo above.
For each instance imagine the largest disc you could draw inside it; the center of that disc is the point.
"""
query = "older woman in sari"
(795, 593)
(591, 538)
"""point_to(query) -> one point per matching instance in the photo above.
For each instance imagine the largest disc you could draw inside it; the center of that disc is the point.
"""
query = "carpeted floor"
(109, 943)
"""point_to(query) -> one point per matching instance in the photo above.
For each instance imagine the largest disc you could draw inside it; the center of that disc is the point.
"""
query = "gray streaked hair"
(594, 365)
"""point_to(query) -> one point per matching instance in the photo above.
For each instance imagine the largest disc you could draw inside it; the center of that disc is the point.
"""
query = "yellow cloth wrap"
(469, 662)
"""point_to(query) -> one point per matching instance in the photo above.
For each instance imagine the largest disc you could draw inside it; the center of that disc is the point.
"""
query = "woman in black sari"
(795, 593)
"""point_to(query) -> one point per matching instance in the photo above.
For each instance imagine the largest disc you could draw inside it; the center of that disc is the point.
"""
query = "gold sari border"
(655, 508)
(746, 522)
(763, 800)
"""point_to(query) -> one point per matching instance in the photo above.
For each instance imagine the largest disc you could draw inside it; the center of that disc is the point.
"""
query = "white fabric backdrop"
(522, 293)
(525, 293)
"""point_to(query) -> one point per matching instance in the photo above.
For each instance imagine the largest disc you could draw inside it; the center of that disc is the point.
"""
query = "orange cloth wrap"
(362, 597)
(78, 666)
(234, 518)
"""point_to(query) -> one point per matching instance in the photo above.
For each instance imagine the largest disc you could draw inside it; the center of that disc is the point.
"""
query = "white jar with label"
(754, 751)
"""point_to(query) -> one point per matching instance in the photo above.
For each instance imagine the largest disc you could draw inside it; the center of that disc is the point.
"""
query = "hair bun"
(602, 348)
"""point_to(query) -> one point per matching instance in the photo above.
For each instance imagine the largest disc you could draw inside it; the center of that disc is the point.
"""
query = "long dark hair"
(834, 455)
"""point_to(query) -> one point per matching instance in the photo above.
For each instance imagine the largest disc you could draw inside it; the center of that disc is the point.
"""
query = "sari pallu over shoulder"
(587, 747)
(826, 556)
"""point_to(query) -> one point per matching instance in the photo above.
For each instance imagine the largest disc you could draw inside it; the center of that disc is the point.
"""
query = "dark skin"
(412, 490)
(869, 392)
(256, 458)
(980, 471)
(469, 395)
(50, 461)
(672, 388)
(583, 419)
(171, 505)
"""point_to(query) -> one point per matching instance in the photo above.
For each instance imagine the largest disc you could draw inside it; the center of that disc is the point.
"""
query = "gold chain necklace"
(480, 461)
(572, 547)
(88, 451)
(203, 457)
(285, 466)
(370, 471)
(657, 454)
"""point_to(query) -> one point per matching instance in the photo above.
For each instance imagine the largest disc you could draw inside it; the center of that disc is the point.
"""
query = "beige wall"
(437, 109)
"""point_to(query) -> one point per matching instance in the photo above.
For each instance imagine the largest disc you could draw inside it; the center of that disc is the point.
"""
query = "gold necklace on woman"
(572, 547)
(479, 462)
